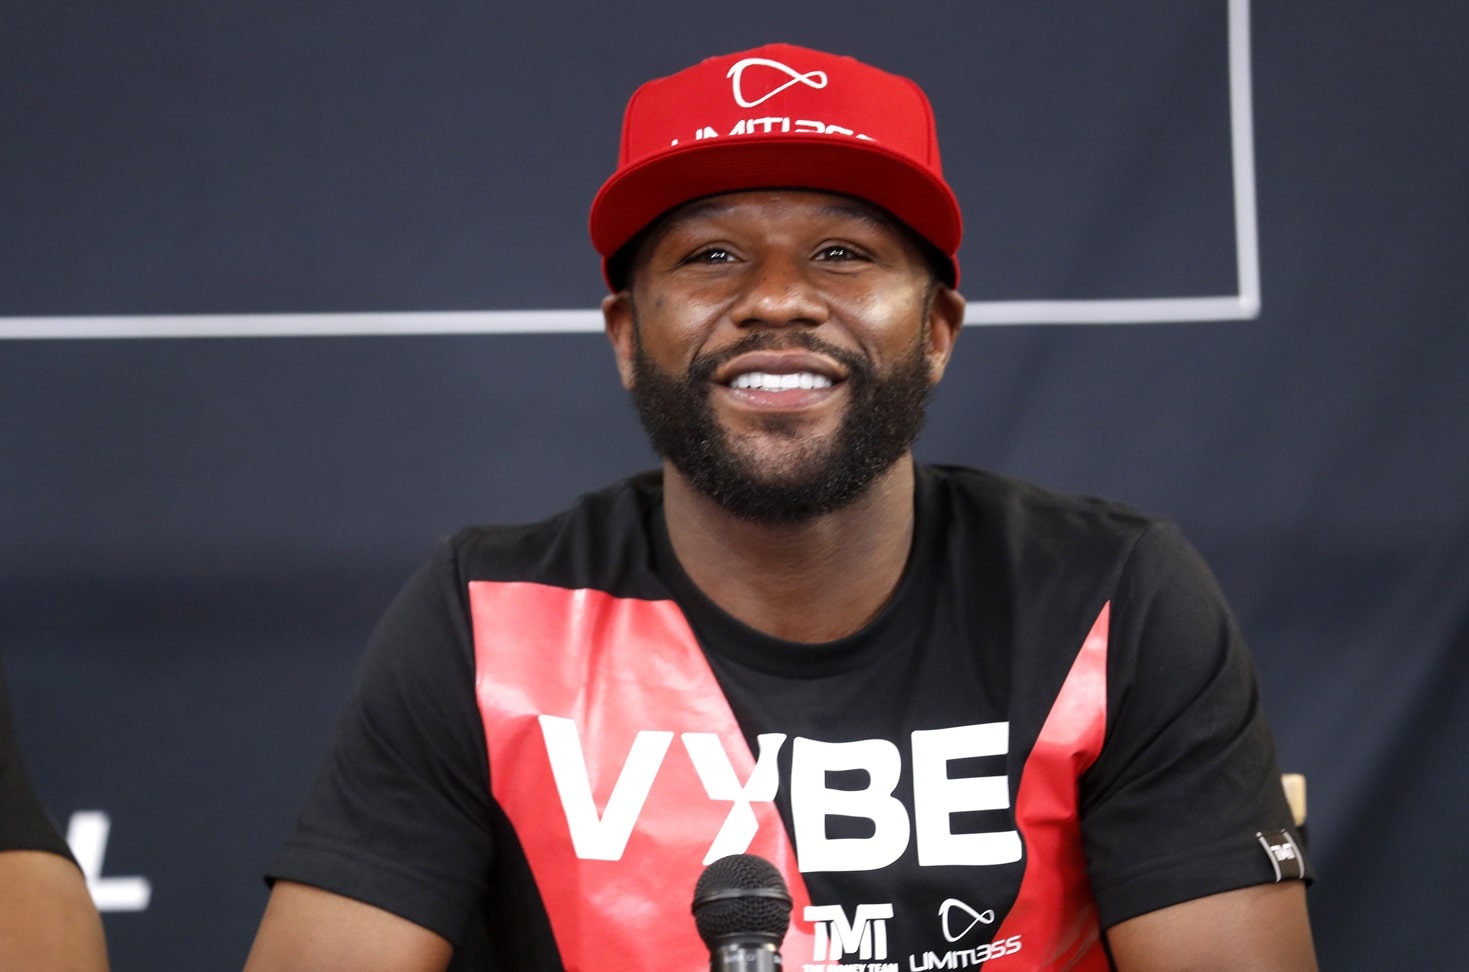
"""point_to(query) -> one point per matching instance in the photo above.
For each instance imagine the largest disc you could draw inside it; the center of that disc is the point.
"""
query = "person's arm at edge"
(47, 920)
(306, 929)
(1263, 928)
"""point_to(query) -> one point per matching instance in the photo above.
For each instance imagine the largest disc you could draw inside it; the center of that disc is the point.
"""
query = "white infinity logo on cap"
(815, 79)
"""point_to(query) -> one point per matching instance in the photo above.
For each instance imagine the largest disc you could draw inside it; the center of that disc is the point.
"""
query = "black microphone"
(742, 910)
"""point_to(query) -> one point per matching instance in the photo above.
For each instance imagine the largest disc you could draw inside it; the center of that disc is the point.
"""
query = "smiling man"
(970, 721)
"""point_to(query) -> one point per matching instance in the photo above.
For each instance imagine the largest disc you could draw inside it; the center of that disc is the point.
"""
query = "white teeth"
(762, 382)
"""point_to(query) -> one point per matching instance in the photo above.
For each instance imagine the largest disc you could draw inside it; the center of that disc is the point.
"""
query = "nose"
(779, 291)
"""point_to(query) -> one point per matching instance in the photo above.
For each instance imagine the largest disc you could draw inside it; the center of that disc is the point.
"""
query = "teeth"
(762, 382)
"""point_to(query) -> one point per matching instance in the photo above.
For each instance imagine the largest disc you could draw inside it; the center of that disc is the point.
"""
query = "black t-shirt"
(1051, 727)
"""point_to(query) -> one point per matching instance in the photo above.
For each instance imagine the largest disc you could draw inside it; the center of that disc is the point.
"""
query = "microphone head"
(741, 896)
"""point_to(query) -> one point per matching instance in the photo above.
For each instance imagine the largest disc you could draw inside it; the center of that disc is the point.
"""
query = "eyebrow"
(860, 211)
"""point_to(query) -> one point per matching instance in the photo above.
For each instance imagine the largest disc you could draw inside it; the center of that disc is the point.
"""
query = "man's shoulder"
(1046, 537)
(602, 536)
(1016, 504)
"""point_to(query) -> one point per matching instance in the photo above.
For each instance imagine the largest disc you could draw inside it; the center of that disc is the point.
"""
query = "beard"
(883, 417)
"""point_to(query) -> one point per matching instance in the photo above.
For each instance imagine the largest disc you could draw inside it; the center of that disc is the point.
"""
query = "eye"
(709, 254)
(839, 252)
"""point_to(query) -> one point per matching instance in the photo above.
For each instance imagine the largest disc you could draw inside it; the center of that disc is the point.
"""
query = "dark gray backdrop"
(197, 533)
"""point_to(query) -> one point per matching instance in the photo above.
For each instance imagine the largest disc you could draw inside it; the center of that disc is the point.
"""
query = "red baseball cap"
(778, 116)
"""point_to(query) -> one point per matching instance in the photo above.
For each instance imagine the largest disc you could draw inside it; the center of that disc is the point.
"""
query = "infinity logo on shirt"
(950, 905)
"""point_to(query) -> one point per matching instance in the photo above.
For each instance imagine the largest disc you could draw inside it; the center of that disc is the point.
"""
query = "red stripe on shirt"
(1054, 913)
(613, 666)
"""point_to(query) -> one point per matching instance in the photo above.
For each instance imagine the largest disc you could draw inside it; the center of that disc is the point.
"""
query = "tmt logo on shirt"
(936, 798)
(865, 936)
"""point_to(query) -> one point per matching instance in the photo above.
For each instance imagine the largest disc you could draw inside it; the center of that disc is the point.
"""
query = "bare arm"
(1260, 929)
(306, 929)
(47, 920)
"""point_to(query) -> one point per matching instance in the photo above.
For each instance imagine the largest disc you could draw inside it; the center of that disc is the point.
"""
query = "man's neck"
(812, 581)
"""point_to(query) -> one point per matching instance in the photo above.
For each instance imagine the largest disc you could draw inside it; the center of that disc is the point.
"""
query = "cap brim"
(639, 194)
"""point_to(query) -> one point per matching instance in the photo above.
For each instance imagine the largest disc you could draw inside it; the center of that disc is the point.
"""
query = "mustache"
(702, 368)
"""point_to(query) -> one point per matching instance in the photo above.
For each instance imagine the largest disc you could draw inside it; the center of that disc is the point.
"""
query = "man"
(47, 920)
(969, 720)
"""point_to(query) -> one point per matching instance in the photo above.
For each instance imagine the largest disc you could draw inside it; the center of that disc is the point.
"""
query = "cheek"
(889, 318)
(675, 329)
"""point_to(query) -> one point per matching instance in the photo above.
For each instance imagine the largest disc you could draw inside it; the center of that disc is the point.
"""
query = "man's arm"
(1261, 929)
(47, 920)
(306, 929)
(398, 820)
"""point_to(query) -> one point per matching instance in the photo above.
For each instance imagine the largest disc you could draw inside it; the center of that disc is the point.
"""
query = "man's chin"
(779, 436)
(783, 464)
(775, 491)
(781, 443)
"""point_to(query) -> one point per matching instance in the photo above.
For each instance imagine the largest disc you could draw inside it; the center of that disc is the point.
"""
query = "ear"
(945, 321)
(621, 326)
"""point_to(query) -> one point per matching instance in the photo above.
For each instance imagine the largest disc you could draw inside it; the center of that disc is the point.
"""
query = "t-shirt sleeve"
(1187, 784)
(24, 824)
(399, 814)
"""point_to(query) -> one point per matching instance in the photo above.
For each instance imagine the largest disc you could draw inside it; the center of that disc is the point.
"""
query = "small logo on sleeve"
(1285, 855)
